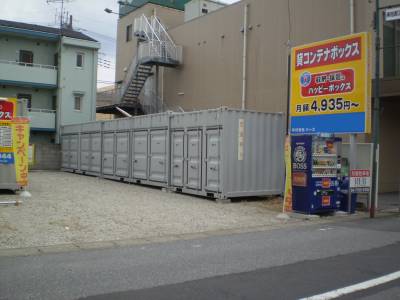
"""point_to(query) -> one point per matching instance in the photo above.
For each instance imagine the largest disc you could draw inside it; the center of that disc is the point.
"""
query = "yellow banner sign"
(20, 131)
(331, 86)
(288, 200)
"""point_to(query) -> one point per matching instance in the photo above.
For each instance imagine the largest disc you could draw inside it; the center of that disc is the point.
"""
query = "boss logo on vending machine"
(300, 157)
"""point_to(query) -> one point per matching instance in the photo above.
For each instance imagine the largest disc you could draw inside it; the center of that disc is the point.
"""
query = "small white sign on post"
(392, 14)
(241, 139)
(360, 181)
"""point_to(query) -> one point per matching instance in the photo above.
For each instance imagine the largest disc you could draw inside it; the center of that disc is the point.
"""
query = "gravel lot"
(68, 208)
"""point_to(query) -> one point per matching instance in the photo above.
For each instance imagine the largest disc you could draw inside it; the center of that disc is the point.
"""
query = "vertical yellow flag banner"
(20, 132)
(287, 202)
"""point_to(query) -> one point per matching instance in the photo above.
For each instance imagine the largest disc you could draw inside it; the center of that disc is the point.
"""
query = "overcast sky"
(89, 17)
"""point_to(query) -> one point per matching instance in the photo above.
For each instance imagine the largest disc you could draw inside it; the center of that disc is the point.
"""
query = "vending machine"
(315, 173)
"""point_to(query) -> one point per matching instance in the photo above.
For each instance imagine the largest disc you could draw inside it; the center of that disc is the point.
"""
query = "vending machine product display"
(315, 173)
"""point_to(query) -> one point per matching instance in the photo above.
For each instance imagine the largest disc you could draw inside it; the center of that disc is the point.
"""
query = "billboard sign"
(7, 109)
(392, 14)
(331, 86)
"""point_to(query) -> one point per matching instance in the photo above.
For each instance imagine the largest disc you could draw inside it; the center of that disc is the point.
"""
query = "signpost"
(331, 86)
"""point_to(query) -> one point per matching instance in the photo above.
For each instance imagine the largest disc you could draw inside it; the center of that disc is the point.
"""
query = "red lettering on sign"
(327, 83)
(329, 53)
(6, 110)
(360, 173)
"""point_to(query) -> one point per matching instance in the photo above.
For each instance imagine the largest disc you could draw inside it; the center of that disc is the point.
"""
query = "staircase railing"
(128, 77)
(162, 50)
(142, 26)
(158, 43)
(160, 30)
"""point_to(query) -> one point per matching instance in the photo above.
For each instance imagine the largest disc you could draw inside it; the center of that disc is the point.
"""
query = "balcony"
(28, 74)
(42, 119)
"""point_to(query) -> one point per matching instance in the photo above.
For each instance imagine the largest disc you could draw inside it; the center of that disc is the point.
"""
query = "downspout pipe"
(351, 16)
(244, 78)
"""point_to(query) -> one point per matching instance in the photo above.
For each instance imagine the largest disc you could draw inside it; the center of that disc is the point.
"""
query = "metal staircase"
(155, 48)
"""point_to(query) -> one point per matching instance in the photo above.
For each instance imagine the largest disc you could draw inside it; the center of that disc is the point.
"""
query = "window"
(54, 103)
(78, 102)
(28, 97)
(26, 57)
(56, 59)
(204, 10)
(79, 60)
(391, 48)
(129, 33)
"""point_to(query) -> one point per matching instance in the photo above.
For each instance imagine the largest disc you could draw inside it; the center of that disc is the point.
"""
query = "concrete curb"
(63, 248)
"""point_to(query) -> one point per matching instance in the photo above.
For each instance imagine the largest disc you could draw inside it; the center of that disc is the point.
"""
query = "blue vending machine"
(315, 173)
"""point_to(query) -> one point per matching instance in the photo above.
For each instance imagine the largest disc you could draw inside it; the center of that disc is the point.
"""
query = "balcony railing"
(42, 110)
(42, 118)
(28, 74)
(19, 63)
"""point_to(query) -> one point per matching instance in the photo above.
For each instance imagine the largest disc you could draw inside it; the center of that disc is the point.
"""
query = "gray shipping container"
(220, 153)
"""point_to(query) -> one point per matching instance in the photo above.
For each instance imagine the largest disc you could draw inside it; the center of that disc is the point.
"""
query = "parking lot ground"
(68, 211)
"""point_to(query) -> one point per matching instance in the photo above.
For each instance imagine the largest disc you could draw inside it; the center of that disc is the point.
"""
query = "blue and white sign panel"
(6, 158)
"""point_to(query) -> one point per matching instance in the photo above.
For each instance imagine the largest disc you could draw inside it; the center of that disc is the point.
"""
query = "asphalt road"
(288, 263)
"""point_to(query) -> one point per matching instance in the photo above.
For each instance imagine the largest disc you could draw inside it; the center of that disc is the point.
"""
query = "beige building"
(213, 69)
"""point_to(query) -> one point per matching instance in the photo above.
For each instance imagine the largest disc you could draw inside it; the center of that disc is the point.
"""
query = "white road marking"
(356, 287)
(324, 229)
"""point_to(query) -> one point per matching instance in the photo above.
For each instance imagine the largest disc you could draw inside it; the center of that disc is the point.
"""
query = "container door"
(85, 152)
(95, 149)
(213, 160)
(193, 166)
(177, 158)
(73, 151)
(108, 154)
(158, 155)
(122, 155)
(65, 151)
(139, 156)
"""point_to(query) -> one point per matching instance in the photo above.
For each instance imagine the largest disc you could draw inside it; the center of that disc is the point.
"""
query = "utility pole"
(376, 120)
(353, 136)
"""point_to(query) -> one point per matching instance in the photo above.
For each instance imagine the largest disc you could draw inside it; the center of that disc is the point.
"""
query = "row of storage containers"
(220, 153)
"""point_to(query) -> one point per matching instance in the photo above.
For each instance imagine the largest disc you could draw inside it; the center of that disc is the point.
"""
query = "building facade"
(56, 71)
(223, 68)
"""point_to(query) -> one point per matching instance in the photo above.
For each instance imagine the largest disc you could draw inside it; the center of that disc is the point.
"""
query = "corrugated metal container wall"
(150, 149)
(253, 153)
(70, 151)
(227, 153)
(190, 164)
(90, 148)
(219, 153)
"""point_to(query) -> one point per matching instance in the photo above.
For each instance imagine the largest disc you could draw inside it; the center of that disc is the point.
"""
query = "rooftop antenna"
(61, 14)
